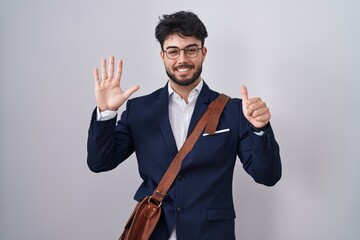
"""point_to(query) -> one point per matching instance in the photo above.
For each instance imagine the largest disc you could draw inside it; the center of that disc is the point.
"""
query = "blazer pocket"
(220, 135)
(220, 214)
(217, 132)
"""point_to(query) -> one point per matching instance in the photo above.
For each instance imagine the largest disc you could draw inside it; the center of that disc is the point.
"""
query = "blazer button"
(181, 177)
(179, 209)
(268, 141)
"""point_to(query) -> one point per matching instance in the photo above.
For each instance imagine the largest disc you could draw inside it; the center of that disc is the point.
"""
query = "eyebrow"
(190, 45)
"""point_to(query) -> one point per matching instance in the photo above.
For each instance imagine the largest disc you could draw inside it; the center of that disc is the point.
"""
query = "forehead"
(175, 40)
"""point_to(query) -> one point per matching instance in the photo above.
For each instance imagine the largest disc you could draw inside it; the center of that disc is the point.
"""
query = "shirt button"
(179, 209)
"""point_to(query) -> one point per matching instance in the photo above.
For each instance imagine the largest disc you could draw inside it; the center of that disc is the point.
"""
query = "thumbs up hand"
(254, 109)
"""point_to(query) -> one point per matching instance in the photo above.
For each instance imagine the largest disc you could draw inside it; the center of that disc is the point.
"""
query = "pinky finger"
(96, 76)
(264, 118)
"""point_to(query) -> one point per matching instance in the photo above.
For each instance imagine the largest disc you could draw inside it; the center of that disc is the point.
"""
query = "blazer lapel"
(162, 114)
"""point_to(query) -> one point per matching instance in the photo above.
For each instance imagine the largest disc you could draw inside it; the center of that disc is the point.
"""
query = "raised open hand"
(255, 110)
(108, 92)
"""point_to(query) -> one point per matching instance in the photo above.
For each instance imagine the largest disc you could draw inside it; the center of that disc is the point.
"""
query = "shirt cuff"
(105, 115)
(259, 133)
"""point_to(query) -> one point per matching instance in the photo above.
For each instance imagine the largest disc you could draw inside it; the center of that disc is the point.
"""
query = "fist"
(255, 109)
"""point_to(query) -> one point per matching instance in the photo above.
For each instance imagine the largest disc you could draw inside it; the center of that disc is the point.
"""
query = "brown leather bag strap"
(210, 120)
(215, 114)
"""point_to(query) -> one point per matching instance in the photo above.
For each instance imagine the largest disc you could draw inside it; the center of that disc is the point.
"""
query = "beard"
(187, 81)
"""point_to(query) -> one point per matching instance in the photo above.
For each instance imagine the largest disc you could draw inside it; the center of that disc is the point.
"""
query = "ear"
(162, 55)
(204, 52)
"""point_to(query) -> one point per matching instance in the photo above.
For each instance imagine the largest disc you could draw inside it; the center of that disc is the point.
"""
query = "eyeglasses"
(174, 52)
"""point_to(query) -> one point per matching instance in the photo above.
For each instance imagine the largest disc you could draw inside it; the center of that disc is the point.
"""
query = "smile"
(183, 68)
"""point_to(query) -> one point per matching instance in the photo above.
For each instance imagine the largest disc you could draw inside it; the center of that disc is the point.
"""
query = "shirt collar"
(194, 93)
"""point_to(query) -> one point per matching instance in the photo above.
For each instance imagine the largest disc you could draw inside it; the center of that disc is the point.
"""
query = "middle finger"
(111, 67)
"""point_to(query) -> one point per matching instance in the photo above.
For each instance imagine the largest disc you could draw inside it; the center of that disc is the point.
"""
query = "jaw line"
(184, 81)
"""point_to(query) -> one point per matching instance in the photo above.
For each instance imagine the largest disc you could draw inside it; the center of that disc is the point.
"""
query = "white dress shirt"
(180, 113)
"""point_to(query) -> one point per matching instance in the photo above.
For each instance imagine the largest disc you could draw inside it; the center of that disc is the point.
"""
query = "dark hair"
(183, 23)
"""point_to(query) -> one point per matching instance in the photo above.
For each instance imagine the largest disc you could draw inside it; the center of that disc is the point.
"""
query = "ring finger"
(103, 69)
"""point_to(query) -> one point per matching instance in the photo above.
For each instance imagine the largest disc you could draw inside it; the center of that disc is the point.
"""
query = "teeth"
(183, 69)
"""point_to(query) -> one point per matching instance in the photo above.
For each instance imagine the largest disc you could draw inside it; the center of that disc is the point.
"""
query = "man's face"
(183, 70)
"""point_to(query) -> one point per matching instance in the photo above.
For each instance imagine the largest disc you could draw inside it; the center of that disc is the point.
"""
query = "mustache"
(185, 65)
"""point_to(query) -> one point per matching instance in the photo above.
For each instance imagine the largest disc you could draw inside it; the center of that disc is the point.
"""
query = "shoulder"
(233, 106)
(146, 99)
(213, 94)
(235, 101)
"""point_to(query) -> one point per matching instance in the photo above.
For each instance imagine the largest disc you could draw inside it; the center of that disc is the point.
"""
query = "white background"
(302, 57)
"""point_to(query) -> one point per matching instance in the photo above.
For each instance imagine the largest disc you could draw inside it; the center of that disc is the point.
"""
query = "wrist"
(103, 109)
(259, 129)
(105, 115)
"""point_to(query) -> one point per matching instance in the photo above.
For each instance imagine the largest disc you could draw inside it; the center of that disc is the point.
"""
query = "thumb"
(131, 90)
(244, 93)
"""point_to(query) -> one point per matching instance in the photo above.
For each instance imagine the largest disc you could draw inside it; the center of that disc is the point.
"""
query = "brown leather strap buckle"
(153, 201)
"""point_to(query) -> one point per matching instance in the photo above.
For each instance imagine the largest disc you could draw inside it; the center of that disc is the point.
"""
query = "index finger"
(119, 70)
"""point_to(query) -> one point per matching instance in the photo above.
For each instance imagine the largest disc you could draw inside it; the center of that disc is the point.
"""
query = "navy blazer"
(200, 201)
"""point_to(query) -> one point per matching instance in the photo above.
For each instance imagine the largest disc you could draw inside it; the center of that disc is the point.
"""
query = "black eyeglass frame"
(184, 49)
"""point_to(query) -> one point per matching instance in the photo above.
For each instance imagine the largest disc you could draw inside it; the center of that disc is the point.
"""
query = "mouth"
(184, 68)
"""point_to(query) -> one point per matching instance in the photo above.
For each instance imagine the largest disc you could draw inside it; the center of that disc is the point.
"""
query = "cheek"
(168, 65)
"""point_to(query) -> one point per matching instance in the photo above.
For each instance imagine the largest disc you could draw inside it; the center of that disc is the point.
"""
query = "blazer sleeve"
(108, 144)
(260, 155)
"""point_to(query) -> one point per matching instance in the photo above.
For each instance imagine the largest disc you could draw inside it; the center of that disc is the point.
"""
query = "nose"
(182, 56)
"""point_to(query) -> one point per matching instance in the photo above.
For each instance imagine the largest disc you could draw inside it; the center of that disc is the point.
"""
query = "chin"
(185, 81)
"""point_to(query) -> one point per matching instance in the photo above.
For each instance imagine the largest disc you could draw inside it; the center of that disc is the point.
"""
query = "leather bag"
(146, 214)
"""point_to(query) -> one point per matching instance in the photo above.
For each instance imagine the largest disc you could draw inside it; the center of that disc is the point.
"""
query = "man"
(199, 204)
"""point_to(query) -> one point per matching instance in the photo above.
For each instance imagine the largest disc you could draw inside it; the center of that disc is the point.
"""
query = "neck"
(184, 91)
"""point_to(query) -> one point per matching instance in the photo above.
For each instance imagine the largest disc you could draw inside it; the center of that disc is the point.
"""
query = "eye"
(172, 52)
(191, 50)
